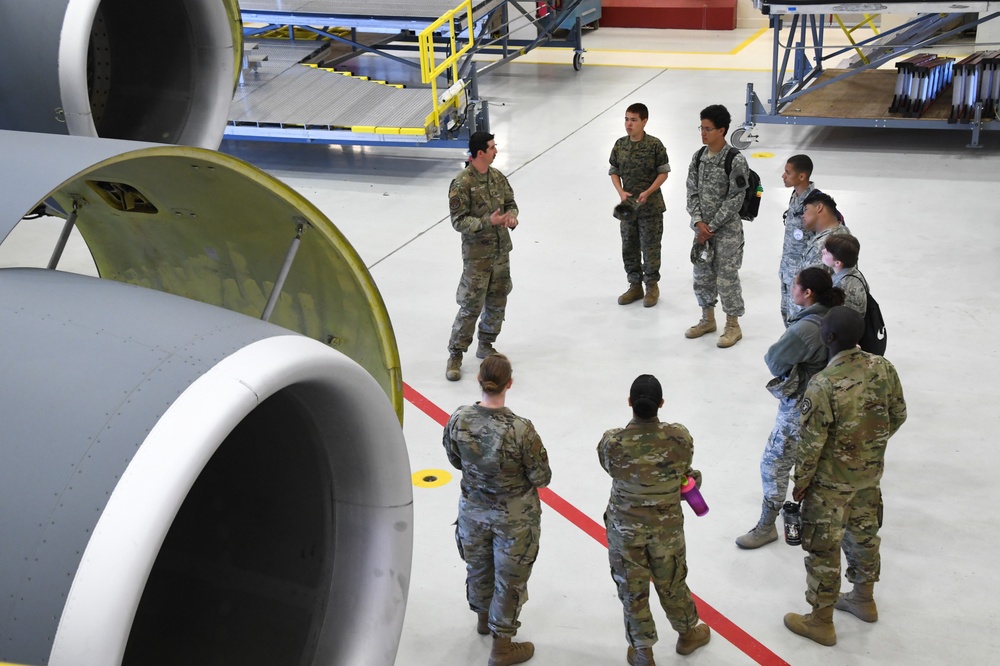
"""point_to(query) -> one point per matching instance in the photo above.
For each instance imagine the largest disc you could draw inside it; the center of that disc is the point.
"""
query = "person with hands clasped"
(639, 166)
(714, 198)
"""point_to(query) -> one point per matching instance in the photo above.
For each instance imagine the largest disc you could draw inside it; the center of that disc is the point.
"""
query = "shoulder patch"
(455, 203)
(741, 181)
(805, 406)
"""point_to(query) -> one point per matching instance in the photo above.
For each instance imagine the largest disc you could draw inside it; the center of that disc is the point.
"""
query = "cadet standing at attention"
(821, 217)
(714, 198)
(798, 171)
(639, 166)
(850, 410)
(503, 465)
(649, 461)
(483, 210)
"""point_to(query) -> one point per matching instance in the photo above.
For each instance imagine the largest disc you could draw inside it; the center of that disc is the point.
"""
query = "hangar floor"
(919, 202)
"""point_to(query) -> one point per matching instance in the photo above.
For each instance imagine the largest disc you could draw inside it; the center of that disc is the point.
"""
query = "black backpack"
(873, 340)
(753, 192)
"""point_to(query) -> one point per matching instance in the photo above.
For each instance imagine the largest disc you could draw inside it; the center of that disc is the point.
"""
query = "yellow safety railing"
(430, 70)
(868, 20)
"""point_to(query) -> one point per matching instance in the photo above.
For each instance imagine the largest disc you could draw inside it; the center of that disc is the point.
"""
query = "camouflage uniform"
(855, 294)
(503, 464)
(800, 344)
(850, 410)
(797, 239)
(648, 462)
(813, 256)
(486, 250)
(715, 199)
(638, 163)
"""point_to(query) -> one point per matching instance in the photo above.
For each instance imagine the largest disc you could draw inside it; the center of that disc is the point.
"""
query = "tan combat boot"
(454, 370)
(633, 294)
(640, 657)
(483, 623)
(706, 325)
(652, 295)
(693, 638)
(485, 349)
(816, 626)
(763, 533)
(731, 334)
(506, 652)
(860, 603)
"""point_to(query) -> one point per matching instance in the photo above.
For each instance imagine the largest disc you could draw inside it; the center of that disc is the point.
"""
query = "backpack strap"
(730, 156)
(862, 280)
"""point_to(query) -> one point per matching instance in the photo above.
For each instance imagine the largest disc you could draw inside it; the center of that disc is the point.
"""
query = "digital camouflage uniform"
(486, 250)
(715, 199)
(638, 163)
(793, 248)
(850, 410)
(648, 462)
(855, 294)
(800, 344)
(503, 464)
(813, 256)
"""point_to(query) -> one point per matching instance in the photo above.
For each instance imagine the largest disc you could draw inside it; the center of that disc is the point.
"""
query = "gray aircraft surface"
(156, 70)
(182, 481)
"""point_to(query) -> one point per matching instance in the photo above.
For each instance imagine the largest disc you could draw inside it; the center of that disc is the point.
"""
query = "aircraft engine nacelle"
(183, 484)
(158, 70)
(201, 457)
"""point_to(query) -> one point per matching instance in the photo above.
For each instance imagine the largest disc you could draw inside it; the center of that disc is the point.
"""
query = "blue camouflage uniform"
(800, 345)
(793, 248)
(853, 284)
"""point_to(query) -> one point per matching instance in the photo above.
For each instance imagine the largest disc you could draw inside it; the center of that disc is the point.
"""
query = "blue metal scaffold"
(806, 92)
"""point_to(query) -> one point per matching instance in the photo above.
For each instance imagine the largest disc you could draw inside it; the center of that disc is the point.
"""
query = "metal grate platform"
(286, 100)
(407, 15)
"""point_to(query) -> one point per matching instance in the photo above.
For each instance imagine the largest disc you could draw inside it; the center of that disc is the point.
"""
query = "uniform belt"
(664, 490)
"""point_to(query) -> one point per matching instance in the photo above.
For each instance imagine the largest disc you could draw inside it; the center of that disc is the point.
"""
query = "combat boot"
(693, 638)
(485, 349)
(506, 652)
(633, 294)
(706, 325)
(860, 603)
(454, 370)
(816, 626)
(640, 657)
(483, 623)
(764, 532)
(652, 295)
(731, 334)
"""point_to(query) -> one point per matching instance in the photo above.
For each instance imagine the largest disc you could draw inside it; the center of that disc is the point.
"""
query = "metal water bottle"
(793, 523)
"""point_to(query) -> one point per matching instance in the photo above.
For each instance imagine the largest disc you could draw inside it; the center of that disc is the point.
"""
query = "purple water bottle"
(690, 493)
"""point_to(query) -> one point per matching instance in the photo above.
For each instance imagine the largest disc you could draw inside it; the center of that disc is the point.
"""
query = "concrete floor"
(923, 207)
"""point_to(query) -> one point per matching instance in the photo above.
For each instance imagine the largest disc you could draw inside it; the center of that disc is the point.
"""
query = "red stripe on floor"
(746, 643)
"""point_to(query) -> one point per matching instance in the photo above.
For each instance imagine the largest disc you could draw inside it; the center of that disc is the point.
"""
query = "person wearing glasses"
(714, 197)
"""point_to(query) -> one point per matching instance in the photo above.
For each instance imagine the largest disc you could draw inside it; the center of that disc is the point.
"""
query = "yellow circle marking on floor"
(762, 155)
(431, 478)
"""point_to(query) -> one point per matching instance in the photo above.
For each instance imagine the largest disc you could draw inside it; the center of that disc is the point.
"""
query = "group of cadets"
(838, 405)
